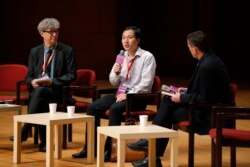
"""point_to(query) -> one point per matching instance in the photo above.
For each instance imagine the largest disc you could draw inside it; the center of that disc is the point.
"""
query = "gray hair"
(48, 24)
(199, 40)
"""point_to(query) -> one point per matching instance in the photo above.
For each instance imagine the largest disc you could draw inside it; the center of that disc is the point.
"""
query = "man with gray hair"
(54, 61)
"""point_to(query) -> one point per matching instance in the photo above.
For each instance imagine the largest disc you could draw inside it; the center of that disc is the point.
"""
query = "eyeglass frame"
(51, 32)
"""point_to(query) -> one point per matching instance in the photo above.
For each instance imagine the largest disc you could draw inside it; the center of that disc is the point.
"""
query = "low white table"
(53, 121)
(11, 107)
(121, 133)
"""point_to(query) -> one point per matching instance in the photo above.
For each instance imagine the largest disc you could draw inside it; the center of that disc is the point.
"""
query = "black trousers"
(98, 108)
(39, 101)
(168, 114)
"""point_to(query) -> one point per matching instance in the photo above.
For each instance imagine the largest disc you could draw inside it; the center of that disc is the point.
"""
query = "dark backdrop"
(93, 28)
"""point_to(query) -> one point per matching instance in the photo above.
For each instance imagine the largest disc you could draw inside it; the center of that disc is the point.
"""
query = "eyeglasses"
(52, 32)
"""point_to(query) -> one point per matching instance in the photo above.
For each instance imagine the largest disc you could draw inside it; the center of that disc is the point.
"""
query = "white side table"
(53, 121)
(121, 133)
(11, 107)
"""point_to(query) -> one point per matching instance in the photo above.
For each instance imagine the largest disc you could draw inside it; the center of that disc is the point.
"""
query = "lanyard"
(129, 67)
(46, 63)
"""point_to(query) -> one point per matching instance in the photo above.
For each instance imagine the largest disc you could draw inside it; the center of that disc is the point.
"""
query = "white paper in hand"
(43, 80)
(169, 90)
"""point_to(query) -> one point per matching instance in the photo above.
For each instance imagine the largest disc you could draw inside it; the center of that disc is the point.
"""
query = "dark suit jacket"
(65, 66)
(210, 84)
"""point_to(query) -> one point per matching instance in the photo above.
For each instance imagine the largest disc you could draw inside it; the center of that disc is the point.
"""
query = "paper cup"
(71, 111)
(52, 108)
(143, 120)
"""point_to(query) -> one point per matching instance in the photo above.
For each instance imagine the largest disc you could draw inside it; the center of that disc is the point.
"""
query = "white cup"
(143, 120)
(71, 111)
(52, 108)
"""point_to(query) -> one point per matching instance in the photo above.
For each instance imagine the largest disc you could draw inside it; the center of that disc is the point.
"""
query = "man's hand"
(176, 98)
(121, 97)
(47, 82)
(34, 83)
(117, 68)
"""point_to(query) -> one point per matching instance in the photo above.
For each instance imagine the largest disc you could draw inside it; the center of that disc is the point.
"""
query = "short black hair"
(137, 31)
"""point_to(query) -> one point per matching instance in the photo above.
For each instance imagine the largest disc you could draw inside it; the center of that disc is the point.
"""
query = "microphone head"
(120, 57)
(122, 52)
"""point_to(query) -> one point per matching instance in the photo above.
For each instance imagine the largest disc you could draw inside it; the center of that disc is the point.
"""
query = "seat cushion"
(81, 106)
(13, 98)
(231, 134)
(184, 123)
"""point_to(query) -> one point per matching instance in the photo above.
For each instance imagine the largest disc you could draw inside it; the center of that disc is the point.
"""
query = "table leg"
(19, 110)
(17, 142)
(151, 152)
(100, 149)
(49, 146)
(174, 152)
(58, 141)
(90, 140)
(121, 152)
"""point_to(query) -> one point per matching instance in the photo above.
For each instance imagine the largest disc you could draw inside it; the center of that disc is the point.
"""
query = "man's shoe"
(107, 155)
(144, 162)
(11, 138)
(42, 147)
(141, 145)
(81, 154)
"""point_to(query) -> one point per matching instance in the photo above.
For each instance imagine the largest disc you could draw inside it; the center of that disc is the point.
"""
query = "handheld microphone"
(120, 57)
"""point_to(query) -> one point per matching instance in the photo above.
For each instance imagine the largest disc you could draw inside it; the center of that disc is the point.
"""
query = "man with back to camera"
(209, 84)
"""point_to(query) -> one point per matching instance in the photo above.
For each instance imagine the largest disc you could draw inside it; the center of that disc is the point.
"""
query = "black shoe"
(141, 145)
(84, 153)
(144, 162)
(81, 154)
(42, 147)
(11, 138)
(107, 155)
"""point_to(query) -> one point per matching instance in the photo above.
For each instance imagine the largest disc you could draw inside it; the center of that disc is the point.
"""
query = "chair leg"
(64, 140)
(213, 158)
(70, 132)
(233, 156)
(36, 135)
(30, 133)
(218, 155)
(191, 149)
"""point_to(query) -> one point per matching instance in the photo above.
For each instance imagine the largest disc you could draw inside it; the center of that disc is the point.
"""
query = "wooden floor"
(32, 158)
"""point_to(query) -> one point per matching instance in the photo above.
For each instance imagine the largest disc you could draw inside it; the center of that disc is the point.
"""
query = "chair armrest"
(229, 112)
(80, 88)
(152, 97)
(18, 90)
(68, 89)
(193, 106)
(224, 113)
(100, 92)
